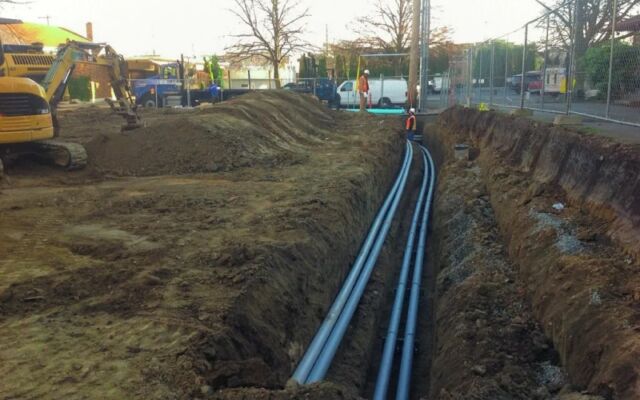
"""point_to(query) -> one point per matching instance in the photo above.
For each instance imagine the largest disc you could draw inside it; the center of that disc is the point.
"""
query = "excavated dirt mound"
(566, 205)
(173, 286)
(256, 130)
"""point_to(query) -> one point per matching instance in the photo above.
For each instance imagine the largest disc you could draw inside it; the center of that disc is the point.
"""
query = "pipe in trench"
(310, 357)
(386, 363)
(333, 341)
(404, 377)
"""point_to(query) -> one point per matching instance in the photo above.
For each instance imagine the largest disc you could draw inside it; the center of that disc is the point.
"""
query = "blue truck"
(156, 90)
(323, 88)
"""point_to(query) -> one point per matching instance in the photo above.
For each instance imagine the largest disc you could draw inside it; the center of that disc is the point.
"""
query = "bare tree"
(389, 28)
(274, 31)
(592, 20)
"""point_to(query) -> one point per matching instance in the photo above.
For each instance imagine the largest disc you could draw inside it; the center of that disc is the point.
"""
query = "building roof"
(631, 24)
(18, 32)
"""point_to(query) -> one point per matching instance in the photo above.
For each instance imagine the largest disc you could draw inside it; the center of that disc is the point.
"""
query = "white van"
(385, 93)
(555, 81)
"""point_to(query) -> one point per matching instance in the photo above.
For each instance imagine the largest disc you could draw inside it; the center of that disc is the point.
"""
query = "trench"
(496, 320)
(532, 278)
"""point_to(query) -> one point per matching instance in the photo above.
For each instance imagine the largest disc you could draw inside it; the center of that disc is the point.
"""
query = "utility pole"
(46, 17)
(326, 39)
(424, 54)
(414, 55)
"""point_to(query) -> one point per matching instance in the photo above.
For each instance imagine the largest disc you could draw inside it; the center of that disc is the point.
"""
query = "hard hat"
(366, 72)
(412, 110)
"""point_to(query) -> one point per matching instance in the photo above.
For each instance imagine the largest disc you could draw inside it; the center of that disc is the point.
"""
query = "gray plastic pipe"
(404, 377)
(310, 357)
(386, 363)
(333, 342)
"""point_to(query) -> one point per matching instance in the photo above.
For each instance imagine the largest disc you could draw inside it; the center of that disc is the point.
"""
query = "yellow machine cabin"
(24, 111)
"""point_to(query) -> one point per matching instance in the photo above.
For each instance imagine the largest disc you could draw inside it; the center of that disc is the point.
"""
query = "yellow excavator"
(28, 110)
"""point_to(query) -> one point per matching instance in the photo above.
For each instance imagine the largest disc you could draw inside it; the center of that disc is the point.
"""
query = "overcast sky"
(136, 27)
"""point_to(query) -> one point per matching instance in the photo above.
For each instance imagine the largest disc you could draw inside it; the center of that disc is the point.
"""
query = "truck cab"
(323, 88)
(151, 91)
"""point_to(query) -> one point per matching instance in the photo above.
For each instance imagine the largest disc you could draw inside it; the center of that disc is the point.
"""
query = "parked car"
(438, 83)
(531, 76)
(535, 87)
(382, 93)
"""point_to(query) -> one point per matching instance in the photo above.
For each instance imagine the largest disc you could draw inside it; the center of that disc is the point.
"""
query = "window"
(348, 87)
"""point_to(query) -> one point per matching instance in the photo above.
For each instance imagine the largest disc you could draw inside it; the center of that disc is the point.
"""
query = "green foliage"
(625, 77)
(506, 55)
(80, 88)
(322, 67)
(308, 67)
(212, 67)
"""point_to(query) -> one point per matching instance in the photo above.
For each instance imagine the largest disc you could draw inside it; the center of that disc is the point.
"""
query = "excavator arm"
(57, 79)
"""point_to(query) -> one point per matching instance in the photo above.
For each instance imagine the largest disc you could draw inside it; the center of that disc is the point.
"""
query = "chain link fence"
(557, 63)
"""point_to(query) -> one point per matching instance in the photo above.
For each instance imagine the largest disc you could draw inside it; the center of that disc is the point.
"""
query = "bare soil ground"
(196, 255)
(558, 213)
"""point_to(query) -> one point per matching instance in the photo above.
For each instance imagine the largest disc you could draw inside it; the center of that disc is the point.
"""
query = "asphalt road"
(509, 98)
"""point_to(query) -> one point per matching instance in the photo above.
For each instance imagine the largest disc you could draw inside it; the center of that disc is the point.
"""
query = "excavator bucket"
(130, 115)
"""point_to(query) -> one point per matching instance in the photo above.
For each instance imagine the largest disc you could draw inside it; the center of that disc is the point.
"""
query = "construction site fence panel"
(556, 64)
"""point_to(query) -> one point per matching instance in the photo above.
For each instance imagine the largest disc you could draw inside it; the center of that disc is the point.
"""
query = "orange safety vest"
(411, 123)
(363, 84)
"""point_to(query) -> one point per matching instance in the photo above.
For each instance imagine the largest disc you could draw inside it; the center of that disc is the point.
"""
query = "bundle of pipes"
(406, 362)
(320, 353)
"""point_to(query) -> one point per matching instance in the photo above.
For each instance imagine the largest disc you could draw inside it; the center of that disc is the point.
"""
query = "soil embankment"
(194, 256)
(567, 207)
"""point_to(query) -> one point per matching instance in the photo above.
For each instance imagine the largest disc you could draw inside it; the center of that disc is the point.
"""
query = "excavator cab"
(25, 114)
(28, 111)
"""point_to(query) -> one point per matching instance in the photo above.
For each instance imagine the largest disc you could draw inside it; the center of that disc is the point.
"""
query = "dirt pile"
(263, 129)
(567, 206)
(184, 287)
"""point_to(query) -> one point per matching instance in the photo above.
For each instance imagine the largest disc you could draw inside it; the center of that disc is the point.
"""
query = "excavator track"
(71, 156)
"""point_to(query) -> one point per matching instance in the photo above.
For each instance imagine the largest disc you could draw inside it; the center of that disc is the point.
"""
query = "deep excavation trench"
(535, 258)
(207, 276)
(531, 286)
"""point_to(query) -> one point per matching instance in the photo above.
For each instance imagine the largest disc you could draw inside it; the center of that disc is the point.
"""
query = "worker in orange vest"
(363, 89)
(411, 124)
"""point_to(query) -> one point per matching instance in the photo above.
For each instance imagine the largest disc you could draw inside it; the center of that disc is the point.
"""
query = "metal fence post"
(491, 71)
(156, 91)
(524, 65)
(546, 61)
(613, 39)
(478, 84)
(249, 77)
(469, 73)
(187, 83)
(382, 86)
(506, 69)
(572, 55)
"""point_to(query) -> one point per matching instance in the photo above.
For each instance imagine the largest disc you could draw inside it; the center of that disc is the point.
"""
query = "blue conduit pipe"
(404, 377)
(386, 363)
(333, 342)
(310, 357)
